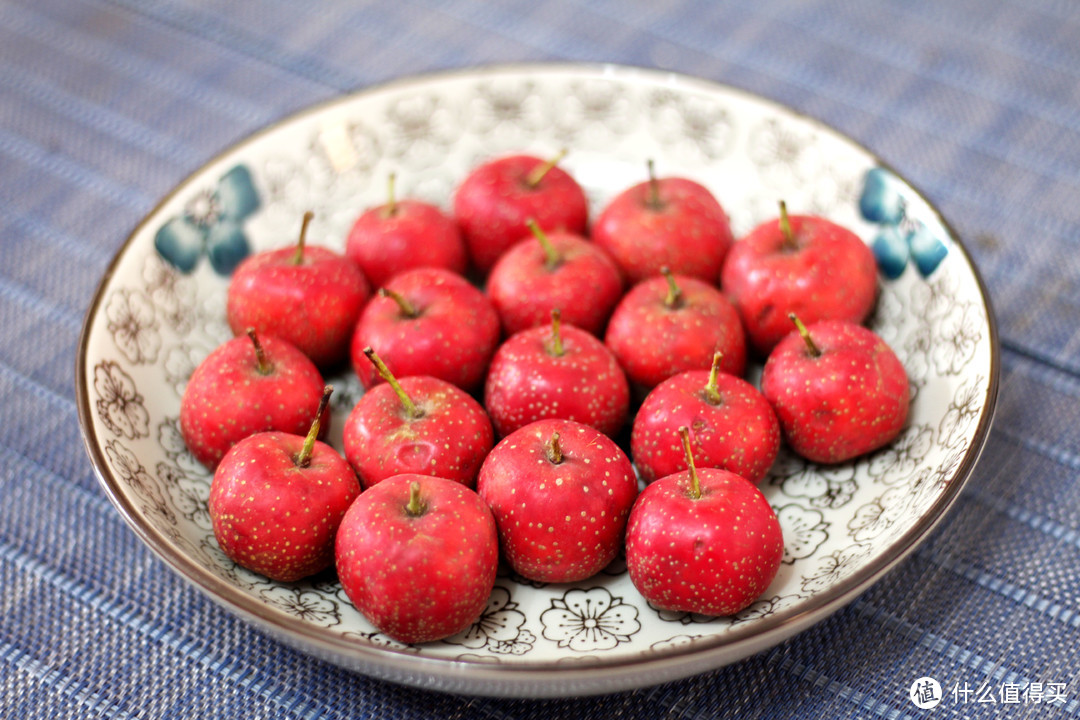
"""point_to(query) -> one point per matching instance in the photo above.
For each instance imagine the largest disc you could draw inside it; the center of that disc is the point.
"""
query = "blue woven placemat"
(106, 104)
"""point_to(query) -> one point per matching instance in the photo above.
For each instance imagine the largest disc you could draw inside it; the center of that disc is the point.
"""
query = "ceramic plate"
(160, 309)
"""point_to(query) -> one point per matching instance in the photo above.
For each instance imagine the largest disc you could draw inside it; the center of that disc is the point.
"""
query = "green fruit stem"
(390, 209)
(557, 348)
(712, 392)
(554, 450)
(533, 179)
(416, 506)
(553, 258)
(384, 372)
(674, 297)
(695, 483)
(654, 202)
(262, 364)
(407, 308)
(298, 258)
(785, 229)
(304, 458)
(815, 351)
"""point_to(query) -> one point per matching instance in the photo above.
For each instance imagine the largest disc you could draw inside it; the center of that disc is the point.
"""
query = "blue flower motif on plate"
(211, 224)
(901, 237)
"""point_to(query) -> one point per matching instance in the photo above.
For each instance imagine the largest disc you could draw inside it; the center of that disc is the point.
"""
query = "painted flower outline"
(132, 322)
(305, 604)
(119, 404)
(804, 531)
(836, 566)
(589, 620)
(211, 224)
(498, 627)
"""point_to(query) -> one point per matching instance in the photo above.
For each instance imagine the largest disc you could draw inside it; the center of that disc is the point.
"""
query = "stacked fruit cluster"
(546, 357)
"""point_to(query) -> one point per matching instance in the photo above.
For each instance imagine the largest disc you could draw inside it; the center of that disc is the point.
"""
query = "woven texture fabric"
(105, 105)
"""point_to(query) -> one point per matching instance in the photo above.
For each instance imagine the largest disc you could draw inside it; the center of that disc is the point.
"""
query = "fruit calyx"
(412, 410)
(711, 391)
(415, 507)
(407, 308)
(674, 298)
(554, 450)
(555, 346)
(390, 209)
(262, 363)
(695, 485)
(811, 347)
(298, 257)
(552, 258)
(652, 200)
(537, 175)
(303, 459)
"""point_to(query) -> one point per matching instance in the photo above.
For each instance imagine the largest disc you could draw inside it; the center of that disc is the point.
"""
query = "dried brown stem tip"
(262, 364)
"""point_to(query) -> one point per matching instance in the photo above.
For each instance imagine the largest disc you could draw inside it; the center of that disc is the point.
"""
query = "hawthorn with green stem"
(417, 556)
(671, 222)
(803, 264)
(496, 199)
(403, 234)
(560, 492)
(428, 321)
(732, 425)
(673, 323)
(418, 424)
(554, 269)
(838, 389)
(247, 385)
(276, 500)
(306, 294)
(703, 541)
(556, 371)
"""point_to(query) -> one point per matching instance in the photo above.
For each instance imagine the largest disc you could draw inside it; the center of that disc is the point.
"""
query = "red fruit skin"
(852, 399)
(493, 203)
(423, 578)
(653, 342)
(452, 338)
(714, 555)
(528, 382)
(277, 518)
(314, 304)
(558, 522)
(450, 440)
(740, 433)
(688, 232)
(585, 285)
(831, 275)
(227, 398)
(416, 234)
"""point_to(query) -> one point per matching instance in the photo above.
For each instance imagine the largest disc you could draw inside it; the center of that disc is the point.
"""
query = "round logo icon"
(925, 693)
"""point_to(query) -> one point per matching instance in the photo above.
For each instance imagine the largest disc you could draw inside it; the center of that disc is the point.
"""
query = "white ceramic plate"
(160, 310)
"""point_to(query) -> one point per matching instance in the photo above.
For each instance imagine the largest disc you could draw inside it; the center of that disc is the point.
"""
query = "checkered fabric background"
(105, 105)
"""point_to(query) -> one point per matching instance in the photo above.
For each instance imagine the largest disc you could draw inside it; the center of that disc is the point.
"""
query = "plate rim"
(528, 679)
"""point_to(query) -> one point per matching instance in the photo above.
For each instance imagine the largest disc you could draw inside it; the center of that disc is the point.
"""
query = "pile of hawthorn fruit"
(491, 405)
